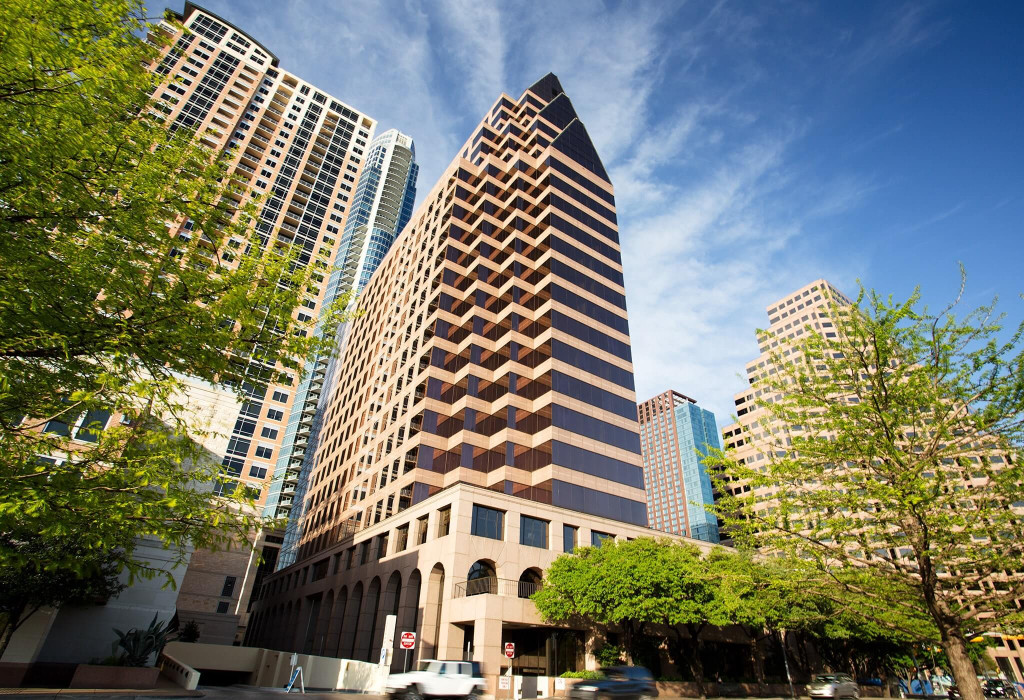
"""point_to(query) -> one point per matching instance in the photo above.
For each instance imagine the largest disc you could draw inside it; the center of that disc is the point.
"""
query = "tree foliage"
(892, 466)
(105, 309)
(666, 589)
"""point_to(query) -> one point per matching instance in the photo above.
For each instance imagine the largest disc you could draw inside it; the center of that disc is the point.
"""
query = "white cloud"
(720, 211)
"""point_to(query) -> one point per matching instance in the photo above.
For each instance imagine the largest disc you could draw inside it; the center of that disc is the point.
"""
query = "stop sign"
(510, 649)
(408, 640)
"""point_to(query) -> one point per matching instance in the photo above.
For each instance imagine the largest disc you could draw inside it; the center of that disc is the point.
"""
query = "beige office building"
(788, 319)
(484, 420)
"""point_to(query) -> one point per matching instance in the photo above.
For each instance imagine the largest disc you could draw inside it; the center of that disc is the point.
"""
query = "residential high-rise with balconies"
(484, 417)
(380, 209)
(299, 147)
(303, 151)
(674, 434)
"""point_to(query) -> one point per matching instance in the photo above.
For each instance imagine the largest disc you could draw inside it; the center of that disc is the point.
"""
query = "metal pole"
(785, 658)
(405, 668)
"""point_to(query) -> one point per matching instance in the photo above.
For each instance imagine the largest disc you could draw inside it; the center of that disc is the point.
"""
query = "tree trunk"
(697, 657)
(960, 664)
(14, 620)
(757, 661)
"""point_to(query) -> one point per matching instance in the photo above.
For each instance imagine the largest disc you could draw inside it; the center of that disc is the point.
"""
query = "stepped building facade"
(483, 419)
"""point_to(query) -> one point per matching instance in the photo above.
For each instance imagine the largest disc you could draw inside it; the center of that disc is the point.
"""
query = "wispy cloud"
(722, 209)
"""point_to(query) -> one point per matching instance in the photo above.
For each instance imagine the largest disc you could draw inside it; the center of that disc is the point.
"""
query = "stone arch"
(530, 582)
(482, 577)
(432, 609)
(389, 605)
(284, 639)
(409, 613)
(334, 627)
(350, 622)
(367, 622)
(323, 623)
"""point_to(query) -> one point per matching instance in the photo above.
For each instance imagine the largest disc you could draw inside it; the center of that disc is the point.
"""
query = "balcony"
(496, 586)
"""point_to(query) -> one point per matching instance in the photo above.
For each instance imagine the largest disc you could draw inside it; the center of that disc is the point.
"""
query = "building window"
(274, 414)
(596, 538)
(533, 532)
(280, 396)
(570, 538)
(268, 432)
(258, 471)
(264, 452)
(481, 578)
(229, 587)
(350, 558)
(382, 546)
(222, 607)
(364, 552)
(421, 530)
(488, 522)
(401, 538)
(444, 521)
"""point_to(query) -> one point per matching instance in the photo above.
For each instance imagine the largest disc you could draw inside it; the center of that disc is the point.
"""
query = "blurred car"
(833, 685)
(990, 687)
(618, 682)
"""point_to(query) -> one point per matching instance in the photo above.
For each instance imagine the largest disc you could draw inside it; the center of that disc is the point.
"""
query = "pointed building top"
(547, 87)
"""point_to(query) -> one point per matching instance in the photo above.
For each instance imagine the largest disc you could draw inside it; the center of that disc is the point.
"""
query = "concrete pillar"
(488, 646)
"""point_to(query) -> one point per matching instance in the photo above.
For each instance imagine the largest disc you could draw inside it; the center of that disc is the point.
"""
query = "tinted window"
(533, 532)
(488, 522)
(569, 535)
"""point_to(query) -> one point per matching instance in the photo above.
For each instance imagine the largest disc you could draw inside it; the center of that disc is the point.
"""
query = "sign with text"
(510, 650)
(408, 640)
(504, 682)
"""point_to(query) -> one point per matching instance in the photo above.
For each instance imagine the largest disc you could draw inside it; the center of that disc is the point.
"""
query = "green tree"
(104, 309)
(26, 589)
(636, 585)
(892, 463)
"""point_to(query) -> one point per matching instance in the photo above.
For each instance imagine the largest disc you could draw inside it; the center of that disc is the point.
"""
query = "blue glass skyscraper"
(675, 435)
(381, 207)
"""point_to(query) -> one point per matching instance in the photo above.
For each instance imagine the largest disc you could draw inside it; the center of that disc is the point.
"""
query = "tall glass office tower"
(675, 434)
(381, 207)
(484, 418)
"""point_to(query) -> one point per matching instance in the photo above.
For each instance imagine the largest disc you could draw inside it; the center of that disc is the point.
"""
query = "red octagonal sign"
(408, 640)
(510, 649)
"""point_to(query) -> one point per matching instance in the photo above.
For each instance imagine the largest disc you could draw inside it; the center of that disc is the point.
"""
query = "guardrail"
(495, 586)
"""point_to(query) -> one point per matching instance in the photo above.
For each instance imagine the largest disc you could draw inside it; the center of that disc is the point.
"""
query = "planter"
(90, 676)
(12, 674)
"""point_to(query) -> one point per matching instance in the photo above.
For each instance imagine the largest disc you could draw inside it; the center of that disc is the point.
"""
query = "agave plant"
(135, 647)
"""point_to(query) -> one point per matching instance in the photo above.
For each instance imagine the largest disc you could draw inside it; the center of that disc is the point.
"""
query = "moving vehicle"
(436, 679)
(833, 685)
(991, 687)
(618, 682)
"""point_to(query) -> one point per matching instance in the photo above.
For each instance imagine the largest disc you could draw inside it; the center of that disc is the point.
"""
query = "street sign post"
(407, 641)
(510, 650)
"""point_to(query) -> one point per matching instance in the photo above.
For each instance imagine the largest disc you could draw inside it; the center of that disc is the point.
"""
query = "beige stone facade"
(335, 605)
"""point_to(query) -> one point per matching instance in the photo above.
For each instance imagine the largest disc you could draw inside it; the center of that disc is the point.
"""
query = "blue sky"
(754, 146)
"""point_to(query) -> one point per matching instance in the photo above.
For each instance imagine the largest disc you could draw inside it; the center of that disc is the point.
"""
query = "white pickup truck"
(437, 679)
